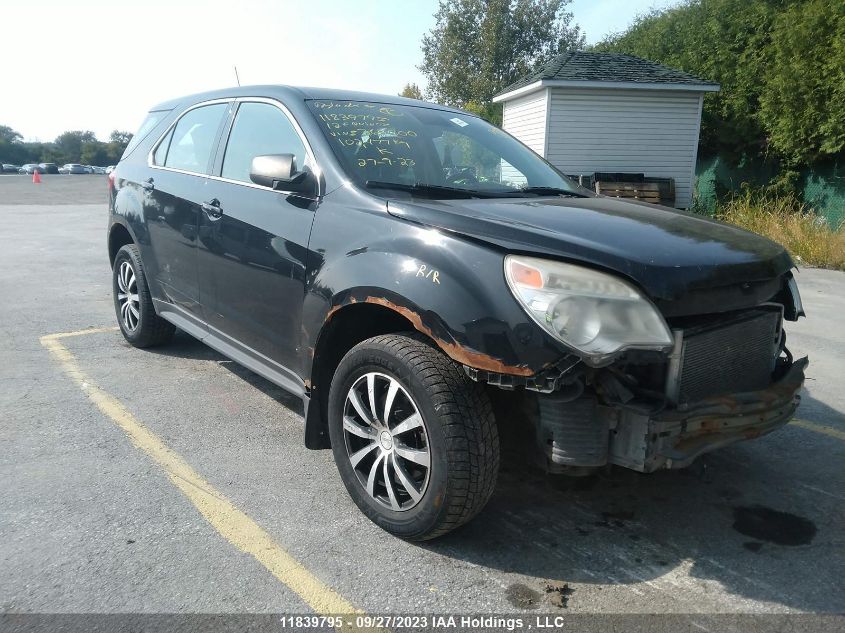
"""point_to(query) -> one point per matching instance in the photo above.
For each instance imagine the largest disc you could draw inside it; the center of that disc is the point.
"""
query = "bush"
(787, 220)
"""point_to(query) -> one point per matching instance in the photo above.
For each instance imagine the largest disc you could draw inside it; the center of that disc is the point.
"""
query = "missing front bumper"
(673, 439)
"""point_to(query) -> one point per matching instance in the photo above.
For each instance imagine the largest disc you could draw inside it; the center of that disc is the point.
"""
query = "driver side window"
(259, 129)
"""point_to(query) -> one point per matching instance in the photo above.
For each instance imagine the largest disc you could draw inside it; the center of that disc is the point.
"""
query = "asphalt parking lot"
(97, 517)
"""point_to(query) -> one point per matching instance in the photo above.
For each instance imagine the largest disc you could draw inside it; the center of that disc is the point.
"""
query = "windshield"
(432, 152)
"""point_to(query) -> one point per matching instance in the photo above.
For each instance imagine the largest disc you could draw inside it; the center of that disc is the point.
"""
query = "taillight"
(111, 182)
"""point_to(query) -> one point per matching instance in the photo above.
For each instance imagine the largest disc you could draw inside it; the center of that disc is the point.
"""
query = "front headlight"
(590, 311)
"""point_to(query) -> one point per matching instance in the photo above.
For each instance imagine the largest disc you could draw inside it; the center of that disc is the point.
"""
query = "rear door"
(173, 197)
(252, 246)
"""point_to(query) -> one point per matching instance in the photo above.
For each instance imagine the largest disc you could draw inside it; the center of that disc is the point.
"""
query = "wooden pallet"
(654, 192)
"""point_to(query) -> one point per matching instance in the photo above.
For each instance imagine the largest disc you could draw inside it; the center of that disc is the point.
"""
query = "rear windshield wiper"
(423, 188)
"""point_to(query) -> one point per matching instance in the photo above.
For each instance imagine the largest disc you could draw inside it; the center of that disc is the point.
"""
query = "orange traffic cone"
(36, 177)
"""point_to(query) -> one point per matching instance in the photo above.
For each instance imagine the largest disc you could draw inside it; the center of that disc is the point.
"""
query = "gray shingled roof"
(612, 67)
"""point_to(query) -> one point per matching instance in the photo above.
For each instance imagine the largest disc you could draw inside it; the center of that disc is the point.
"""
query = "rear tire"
(133, 304)
(448, 424)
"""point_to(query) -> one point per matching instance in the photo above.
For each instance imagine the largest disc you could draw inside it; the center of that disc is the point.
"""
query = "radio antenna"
(238, 79)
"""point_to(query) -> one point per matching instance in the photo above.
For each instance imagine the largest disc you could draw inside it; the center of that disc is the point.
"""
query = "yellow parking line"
(819, 428)
(228, 520)
(90, 330)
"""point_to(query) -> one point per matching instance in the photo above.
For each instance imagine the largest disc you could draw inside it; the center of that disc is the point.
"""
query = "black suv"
(427, 284)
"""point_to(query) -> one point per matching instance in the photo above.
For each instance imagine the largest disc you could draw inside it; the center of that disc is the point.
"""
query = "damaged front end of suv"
(646, 385)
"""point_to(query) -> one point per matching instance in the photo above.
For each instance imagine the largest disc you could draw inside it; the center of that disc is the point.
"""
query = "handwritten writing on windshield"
(356, 105)
(381, 144)
(374, 132)
(399, 160)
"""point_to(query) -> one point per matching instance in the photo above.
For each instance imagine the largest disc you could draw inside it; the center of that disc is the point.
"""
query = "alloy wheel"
(127, 297)
(386, 441)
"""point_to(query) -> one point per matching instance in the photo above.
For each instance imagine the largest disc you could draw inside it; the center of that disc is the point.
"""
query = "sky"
(94, 65)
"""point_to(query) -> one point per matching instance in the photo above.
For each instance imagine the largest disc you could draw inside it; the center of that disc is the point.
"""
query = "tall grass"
(785, 219)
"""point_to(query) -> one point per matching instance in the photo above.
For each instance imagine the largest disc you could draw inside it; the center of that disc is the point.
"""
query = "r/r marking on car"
(434, 275)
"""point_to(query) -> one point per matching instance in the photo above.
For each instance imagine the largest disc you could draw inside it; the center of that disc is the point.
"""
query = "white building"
(589, 112)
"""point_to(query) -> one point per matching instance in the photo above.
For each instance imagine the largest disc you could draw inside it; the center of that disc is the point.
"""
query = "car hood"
(667, 252)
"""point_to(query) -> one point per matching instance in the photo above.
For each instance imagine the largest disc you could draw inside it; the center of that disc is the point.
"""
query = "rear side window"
(146, 127)
(259, 129)
(191, 142)
(160, 154)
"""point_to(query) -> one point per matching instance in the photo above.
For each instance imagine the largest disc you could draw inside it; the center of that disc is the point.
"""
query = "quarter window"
(192, 141)
(147, 125)
(259, 129)
(160, 154)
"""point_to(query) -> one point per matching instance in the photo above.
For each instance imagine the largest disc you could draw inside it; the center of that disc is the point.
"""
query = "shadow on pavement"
(729, 518)
(186, 346)
(711, 522)
(814, 410)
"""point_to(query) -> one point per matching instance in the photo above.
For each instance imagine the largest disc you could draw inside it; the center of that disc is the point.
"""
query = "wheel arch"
(363, 313)
(345, 326)
(119, 236)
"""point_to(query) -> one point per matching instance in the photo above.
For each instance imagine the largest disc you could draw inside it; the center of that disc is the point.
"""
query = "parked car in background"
(72, 168)
(30, 168)
(8, 168)
(48, 168)
(98, 170)
(109, 169)
(425, 282)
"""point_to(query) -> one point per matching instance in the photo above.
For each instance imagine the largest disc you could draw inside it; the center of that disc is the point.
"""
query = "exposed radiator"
(729, 357)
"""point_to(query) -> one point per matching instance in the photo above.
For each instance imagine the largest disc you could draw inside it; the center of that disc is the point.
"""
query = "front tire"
(133, 304)
(414, 439)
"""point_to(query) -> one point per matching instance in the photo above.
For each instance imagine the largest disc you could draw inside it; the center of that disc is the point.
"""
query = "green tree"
(12, 149)
(478, 47)
(488, 110)
(802, 104)
(118, 141)
(94, 153)
(412, 91)
(9, 136)
(120, 137)
(50, 153)
(69, 145)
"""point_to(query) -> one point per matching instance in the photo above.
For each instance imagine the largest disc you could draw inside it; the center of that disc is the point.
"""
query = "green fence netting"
(822, 188)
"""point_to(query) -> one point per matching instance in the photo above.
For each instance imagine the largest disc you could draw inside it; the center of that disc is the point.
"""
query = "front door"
(253, 242)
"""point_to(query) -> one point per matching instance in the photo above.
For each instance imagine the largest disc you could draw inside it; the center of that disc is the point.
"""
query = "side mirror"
(278, 171)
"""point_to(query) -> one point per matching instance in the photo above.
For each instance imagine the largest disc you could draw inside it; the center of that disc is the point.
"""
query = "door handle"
(212, 209)
(148, 184)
